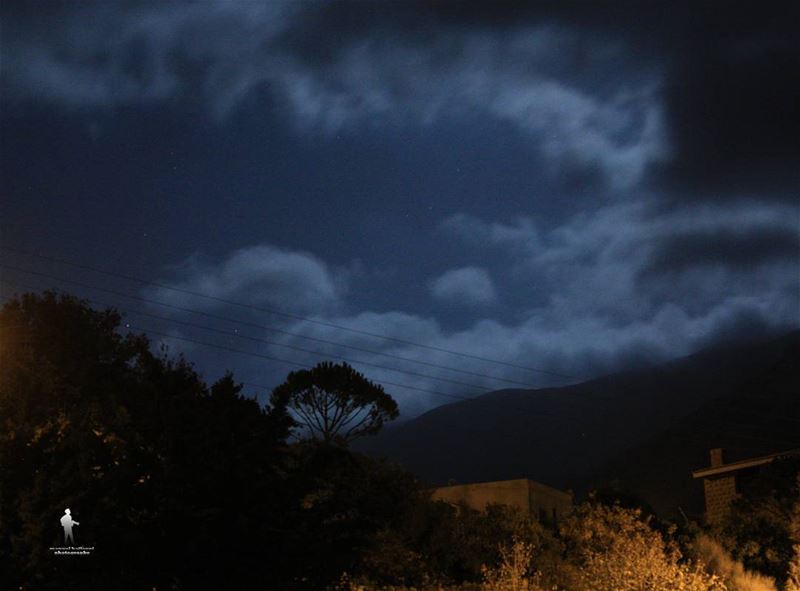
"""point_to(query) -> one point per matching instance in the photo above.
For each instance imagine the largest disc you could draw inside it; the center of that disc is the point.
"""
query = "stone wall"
(533, 498)
(551, 504)
(720, 491)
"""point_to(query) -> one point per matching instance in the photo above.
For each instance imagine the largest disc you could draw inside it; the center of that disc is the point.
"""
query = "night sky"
(572, 188)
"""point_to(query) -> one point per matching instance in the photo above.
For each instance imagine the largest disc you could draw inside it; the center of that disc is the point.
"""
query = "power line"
(279, 312)
(425, 390)
(235, 334)
(272, 358)
(291, 362)
(151, 331)
(291, 347)
(454, 396)
(436, 393)
(203, 327)
(286, 361)
(272, 329)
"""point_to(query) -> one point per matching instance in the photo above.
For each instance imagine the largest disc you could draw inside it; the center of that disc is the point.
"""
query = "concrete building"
(723, 481)
(532, 498)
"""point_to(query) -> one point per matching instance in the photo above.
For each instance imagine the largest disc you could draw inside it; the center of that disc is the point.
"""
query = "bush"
(616, 549)
(736, 577)
(515, 571)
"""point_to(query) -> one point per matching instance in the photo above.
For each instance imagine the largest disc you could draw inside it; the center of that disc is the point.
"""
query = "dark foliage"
(334, 403)
(174, 484)
(764, 522)
(344, 504)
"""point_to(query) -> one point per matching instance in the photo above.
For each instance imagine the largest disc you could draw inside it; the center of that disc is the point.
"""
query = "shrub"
(616, 549)
(515, 571)
(736, 577)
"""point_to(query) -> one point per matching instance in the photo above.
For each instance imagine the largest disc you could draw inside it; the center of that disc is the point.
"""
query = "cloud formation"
(666, 94)
(228, 52)
(294, 282)
(693, 274)
(612, 299)
(686, 131)
(519, 235)
(467, 285)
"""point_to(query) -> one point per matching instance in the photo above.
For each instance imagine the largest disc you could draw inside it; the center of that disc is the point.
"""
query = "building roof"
(742, 464)
(504, 483)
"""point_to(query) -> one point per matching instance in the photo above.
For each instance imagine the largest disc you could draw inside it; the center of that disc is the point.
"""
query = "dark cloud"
(728, 247)
(739, 324)
(731, 92)
(635, 269)
(734, 116)
(650, 108)
(587, 115)
(722, 78)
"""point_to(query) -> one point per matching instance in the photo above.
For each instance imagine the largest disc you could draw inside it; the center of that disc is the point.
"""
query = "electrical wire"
(415, 388)
(276, 312)
(272, 329)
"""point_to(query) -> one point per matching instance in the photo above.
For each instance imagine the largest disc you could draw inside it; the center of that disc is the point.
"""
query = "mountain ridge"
(574, 436)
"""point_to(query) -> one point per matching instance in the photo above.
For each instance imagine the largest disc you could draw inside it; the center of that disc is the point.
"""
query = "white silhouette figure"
(67, 522)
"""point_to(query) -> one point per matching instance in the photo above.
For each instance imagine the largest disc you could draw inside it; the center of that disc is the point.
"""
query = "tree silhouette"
(334, 402)
(158, 466)
(177, 483)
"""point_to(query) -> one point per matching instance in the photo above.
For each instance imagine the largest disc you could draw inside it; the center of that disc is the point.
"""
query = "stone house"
(724, 481)
(530, 497)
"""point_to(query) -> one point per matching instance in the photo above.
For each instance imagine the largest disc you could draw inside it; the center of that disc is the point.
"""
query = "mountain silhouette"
(639, 432)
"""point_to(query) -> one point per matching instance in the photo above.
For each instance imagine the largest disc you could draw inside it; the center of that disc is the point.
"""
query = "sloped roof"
(742, 464)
